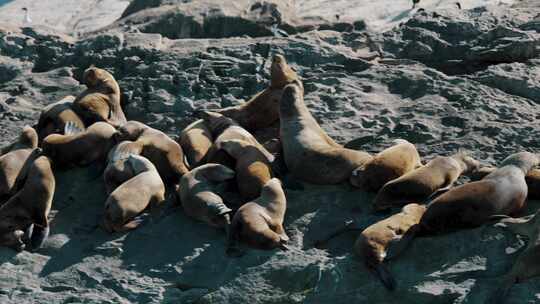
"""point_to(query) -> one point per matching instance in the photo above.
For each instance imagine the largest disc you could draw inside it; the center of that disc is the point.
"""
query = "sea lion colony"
(218, 151)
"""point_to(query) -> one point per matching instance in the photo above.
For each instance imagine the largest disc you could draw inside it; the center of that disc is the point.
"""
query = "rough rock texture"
(447, 80)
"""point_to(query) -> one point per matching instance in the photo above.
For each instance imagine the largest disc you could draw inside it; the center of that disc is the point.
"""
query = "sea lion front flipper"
(521, 226)
(39, 236)
(71, 128)
(385, 276)
(400, 243)
(347, 226)
(232, 246)
(439, 192)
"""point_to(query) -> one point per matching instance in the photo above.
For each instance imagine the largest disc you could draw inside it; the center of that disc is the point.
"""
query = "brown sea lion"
(31, 205)
(197, 194)
(101, 100)
(80, 148)
(527, 265)
(160, 149)
(134, 196)
(437, 175)
(195, 140)
(54, 117)
(253, 169)
(502, 192)
(118, 171)
(262, 110)
(224, 128)
(309, 153)
(532, 179)
(387, 165)
(259, 223)
(13, 161)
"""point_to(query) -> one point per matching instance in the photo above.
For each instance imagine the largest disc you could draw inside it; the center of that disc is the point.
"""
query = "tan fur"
(253, 169)
(134, 196)
(532, 179)
(80, 149)
(160, 149)
(502, 192)
(197, 193)
(262, 110)
(12, 162)
(387, 165)
(118, 171)
(309, 153)
(259, 224)
(54, 117)
(101, 100)
(195, 140)
(32, 204)
(419, 184)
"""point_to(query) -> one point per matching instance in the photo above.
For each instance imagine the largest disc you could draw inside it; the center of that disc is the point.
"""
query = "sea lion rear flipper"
(347, 226)
(385, 276)
(71, 128)
(400, 243)
(516, 225)
(39, 236)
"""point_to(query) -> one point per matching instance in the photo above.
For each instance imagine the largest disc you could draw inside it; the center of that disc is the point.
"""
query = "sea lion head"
(467, 163)
(523, 160)
(233, 147)
(216, 172)
(272, 190)
(92, 77)
(216, 122)
(13, 239)
(29, 137)
(280, 72)
(292, 97)
(140, 164)
(131, 130)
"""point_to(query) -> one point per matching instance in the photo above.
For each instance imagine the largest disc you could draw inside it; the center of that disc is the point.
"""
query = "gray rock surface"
(447, 80)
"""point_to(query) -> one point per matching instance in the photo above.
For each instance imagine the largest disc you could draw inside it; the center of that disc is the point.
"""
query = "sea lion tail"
(385, 276)
(71, 128)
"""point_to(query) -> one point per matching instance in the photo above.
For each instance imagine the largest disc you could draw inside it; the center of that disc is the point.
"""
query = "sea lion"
(224, 128)
(532, 179)
(527, 265)
(259, 223)
(387, 165)
(13, 161)
(134, 196)
(502, 192)
(54, 117)
(80, 148)
(101, 100)
(309, 153)
(262, 110)
(160, 149)
(118, 171)
(197, 194)
(253, 169)
(438, 175)
(31, 205)
(195, 140)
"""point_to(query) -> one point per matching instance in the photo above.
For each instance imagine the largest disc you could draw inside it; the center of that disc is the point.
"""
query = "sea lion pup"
(13, 161)
(118, 171)
(532, 179)
(195, 140)
(259, 223)
(527, 265)
(31, 205)
(224, 128)
(80, 148)
(101, 100)
(438, 175)
(387, 165)
(160, 149)
(197, 194)
(262, 110)
(252, 167)
(131, 198)
(54, 117)
(502, 192)
(310, 154)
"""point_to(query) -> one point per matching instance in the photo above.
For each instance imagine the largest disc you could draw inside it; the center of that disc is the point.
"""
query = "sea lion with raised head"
(54, 117)
(125, 203)
(502, 192)
(118, 171)
(253, 169)
(195, 140)
(160, 149)
(309, 153)
(80, 148)
(262, 110)
(198, 197)
(31, 205)
(438, 175)
(259, 223)
(387, 165)
(101, 100)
